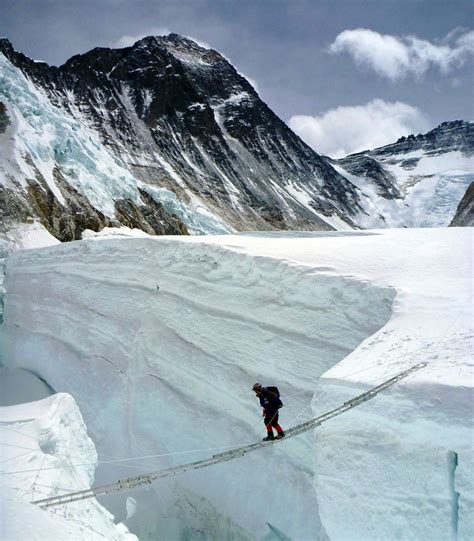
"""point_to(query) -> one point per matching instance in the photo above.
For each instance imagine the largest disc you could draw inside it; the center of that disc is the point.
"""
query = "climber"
(270, 401)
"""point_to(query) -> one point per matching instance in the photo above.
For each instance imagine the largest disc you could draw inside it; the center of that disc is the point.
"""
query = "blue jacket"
(269, 401)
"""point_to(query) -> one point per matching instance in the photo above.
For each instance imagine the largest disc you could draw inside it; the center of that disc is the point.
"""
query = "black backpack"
(275, 390)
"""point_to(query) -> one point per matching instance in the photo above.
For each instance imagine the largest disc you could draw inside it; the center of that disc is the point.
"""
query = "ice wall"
(398, 467)
(160, 342)
(41, 444)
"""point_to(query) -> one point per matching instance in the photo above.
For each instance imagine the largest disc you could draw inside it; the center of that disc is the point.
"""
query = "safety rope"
(145, 479)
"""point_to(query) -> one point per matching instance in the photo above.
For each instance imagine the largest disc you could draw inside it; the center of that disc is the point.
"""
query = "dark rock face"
(464, 216)
(181, 117)
(151, 217)
(365, 166)
(4, 119)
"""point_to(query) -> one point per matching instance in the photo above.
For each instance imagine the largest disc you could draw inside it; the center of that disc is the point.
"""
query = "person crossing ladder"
(270, 401)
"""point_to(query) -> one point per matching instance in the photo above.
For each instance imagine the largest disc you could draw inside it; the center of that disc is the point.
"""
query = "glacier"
(430, 190)
(42, 139)
(159, 341)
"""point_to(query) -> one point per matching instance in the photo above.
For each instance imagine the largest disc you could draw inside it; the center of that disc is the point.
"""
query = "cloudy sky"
(344, 74)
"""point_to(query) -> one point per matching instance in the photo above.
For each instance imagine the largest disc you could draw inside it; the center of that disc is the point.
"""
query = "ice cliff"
(138, 332)
(46, 443)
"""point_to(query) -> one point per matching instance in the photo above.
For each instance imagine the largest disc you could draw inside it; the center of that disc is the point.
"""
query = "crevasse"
(160, 342)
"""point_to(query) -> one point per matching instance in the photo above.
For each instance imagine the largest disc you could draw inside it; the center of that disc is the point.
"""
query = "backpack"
(275, 390)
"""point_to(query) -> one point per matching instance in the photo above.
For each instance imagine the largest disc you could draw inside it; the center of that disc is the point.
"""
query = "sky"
(345, 75)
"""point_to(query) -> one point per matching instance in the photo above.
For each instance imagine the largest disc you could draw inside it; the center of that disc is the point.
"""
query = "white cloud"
(396, 57)
(253, 82)
(350, 129)
(128, 41)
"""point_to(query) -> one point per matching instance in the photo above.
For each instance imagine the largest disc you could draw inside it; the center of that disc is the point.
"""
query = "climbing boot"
(280, 436)
(270, 437)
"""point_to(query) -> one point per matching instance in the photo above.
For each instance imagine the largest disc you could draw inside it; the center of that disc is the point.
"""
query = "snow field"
(430, 191)
(160, 342)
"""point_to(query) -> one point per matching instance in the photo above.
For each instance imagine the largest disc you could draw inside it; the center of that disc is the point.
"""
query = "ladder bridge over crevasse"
(148, 478)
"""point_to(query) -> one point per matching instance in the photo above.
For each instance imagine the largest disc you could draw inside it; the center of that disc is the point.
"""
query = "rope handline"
(296, 416)
(16, 456)
(115, 458)
(122, 459)
(133, 482)
(36, 478)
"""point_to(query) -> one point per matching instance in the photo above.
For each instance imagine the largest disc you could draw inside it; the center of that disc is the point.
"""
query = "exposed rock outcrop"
(464, 216)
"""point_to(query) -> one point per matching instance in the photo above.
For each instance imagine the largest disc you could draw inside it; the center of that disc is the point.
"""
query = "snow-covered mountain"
(417, 181)
(157, 135)
(166, 136)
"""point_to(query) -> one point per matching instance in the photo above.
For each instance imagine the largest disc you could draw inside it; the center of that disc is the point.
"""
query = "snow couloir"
(159, 341)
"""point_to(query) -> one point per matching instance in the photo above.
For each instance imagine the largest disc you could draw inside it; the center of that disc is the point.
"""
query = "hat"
(257, 387)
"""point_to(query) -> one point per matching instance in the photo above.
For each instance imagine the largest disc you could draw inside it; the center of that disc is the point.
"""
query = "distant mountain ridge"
(166, 136)
(447, 137)
(418, 181)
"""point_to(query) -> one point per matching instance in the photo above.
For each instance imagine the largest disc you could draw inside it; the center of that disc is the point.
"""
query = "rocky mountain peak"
(191, 131)
(5, 44)
(182, 48)
(447, 137)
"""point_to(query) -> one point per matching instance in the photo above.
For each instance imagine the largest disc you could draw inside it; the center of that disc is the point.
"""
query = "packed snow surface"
(160, 340)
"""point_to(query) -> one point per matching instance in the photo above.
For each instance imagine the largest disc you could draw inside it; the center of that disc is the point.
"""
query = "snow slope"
(429, 191)
(417, 181)
(160, 340)
(45, 440)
